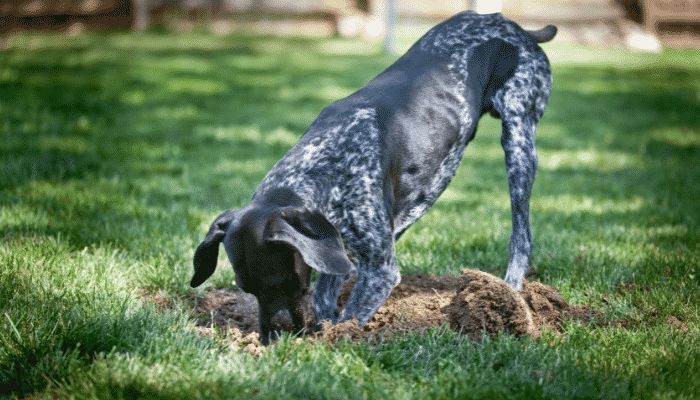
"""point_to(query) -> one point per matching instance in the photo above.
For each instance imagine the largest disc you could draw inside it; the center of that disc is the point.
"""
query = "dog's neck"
(279, 197)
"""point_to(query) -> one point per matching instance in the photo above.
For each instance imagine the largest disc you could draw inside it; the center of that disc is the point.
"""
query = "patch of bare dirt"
(473, 303)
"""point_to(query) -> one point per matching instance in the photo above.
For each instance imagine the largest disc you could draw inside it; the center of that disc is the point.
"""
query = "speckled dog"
(373, 163)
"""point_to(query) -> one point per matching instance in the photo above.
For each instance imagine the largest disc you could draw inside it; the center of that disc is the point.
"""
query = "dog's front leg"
(372, 288)
(325, 297)
(266, 311)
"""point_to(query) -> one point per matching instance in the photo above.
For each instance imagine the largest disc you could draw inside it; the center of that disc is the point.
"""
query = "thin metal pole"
(389, 18)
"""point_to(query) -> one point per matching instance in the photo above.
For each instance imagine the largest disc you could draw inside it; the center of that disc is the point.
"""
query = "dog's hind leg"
(518, 142)
(520, 111)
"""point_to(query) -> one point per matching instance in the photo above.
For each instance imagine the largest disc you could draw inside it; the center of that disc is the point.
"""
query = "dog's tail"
(545, 34)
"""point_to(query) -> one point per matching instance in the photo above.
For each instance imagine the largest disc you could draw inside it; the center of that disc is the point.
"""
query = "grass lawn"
(118, 151)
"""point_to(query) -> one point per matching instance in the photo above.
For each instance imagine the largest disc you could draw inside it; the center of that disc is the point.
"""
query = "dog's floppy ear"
(205, 257)
(313, 236)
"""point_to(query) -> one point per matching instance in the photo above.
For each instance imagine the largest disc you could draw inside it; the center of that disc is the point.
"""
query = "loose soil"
(474, 303)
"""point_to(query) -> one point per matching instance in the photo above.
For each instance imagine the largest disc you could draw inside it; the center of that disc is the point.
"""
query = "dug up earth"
(474, 303)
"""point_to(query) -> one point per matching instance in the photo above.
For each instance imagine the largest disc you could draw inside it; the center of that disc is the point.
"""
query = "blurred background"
(641, 24)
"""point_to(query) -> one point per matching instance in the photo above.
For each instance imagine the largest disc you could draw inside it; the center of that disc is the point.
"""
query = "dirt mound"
(473, 303)
(485, 304)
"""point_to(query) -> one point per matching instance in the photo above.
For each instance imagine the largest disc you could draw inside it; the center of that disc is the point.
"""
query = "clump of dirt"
(473, 303)
(486, 304)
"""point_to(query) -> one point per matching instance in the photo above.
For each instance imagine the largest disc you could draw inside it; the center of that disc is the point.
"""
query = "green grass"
(118, 151)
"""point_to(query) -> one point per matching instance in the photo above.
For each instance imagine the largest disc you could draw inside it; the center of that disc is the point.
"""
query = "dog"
(374, 162)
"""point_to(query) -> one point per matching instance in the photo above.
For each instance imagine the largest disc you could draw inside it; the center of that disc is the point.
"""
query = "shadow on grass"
(70, 330)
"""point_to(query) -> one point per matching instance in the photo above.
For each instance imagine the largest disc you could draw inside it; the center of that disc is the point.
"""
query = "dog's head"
(272, 250)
